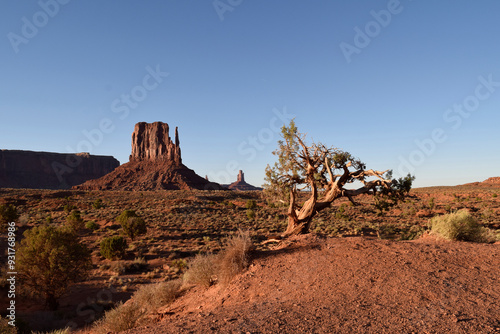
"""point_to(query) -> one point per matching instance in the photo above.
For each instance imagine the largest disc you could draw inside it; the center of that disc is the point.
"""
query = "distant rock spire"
(176, 137)
(241, 185)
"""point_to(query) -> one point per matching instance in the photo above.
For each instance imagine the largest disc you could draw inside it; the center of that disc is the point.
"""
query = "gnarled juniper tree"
(323, 172)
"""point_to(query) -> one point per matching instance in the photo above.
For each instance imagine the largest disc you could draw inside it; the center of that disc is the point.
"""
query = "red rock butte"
(155, 164)
(241, 185)
(152, 142)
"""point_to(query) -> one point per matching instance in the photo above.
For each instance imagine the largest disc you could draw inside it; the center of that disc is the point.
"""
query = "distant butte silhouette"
(154, 164)
(241, 185)
(49, 170)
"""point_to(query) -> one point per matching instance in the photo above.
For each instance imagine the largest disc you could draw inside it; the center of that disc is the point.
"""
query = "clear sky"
(403, 85)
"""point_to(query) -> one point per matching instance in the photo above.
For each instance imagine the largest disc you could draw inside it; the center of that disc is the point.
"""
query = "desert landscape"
(252, 167)
(218, 260)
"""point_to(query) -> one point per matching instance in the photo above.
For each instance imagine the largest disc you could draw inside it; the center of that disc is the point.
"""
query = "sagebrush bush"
(5, 328)
(113, 247)
(202, 270)
(125, 215)
(49, 259)
(250, 214)
(97, 204)
(251, 204)
(132, 224)
(460, 226)
(92, 225)
(75, 221)
(8, 214)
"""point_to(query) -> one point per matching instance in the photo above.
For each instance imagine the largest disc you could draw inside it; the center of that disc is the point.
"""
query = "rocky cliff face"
(152, 142)
(46, 170)
(493, 180)
(155, 164)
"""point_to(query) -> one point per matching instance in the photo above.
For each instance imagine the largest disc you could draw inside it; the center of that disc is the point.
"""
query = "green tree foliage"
(49, 259)
(323, 172)
(113, 247)
(132, 224)
(8, 213)
(75, 221)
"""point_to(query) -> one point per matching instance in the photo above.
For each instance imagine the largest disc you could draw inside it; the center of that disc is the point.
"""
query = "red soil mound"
(150, 175)
(350, 285)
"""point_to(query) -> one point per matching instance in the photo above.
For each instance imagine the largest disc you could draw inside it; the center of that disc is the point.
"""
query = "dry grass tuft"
(206, 269)
(202, 270)
(235, 257)
(152, 296)
(145, 300)
(121, 318)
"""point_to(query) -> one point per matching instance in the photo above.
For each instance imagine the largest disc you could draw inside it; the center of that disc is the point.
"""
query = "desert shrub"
(235, 257)
(139, 264)
(8, 214)
(92, 225)
(97, 204)
(152, 296)
(250, 214)
(179, 264)
(113, 247)
(118, 267)
(411, 233)
(134, 226)
(49, 259)
(68, 208)
(75, 221)
(120, 318)
(56, 331)
(125, 215)
(251, 204)
(122, 267)
(460, 226)
(202, 270)
(5, 328)
(146, 299)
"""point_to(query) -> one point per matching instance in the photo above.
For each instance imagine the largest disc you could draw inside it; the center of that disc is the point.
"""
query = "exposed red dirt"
(350, 285)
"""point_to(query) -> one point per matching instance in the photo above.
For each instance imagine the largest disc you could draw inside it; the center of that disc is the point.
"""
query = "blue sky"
(403, 85)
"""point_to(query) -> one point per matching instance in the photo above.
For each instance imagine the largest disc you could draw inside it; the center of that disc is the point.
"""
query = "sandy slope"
(350, 285)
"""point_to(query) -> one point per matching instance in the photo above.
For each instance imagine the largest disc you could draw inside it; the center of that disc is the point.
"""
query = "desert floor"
(362, 269)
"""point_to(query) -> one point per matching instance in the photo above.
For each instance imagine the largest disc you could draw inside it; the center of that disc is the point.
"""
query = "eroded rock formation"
(155, 164)
(47, 170)
(241, 185)
(152, 142)
(493, 180)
